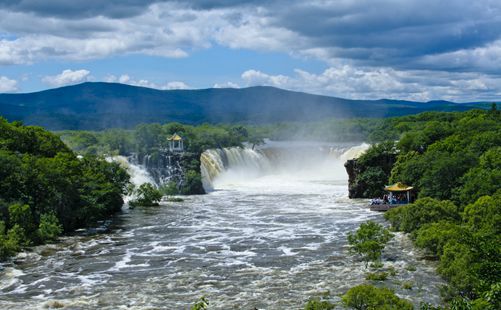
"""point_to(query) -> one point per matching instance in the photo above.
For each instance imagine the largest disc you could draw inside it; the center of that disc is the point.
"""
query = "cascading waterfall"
(294, 160)
(162, 167)
(158, 169)
(138, 173)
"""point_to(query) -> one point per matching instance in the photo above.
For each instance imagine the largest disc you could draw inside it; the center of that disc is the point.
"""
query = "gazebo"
(398, 192)
(175, 143)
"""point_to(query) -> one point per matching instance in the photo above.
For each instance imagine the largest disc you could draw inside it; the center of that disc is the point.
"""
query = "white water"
(270, 236)
(276, 165)
(138, 174)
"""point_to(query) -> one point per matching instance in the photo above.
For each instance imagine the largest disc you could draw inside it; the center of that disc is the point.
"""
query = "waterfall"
(354, 152)
(245, 162)
(157, 169)
(286, 160)
(138, 173)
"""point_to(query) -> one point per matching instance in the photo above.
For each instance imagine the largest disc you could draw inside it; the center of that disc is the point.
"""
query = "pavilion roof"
(175, 137)
(398, 187)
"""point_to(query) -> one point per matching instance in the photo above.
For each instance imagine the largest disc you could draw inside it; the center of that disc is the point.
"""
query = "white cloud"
(393, 49)
(7, 85)
(346, 81)
(67, 77)
(176, 85)
(126, 79)
(254, 77)
(226, 85)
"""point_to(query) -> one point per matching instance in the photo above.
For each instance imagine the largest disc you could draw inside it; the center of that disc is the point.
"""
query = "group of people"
(394, 199)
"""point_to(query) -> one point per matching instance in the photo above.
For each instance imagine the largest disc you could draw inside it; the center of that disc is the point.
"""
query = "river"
(266, 241)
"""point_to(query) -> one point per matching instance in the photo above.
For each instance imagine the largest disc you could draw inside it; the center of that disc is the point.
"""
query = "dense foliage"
(148, 138)
(455, 165)
(46, 189)
(367, 297)
(146, 195)
(369, 241)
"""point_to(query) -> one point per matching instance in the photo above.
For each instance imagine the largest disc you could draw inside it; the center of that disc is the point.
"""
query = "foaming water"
(270, 242)
(276, 163)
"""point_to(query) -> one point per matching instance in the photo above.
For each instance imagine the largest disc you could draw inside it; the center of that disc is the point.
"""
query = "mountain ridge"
(101, 105)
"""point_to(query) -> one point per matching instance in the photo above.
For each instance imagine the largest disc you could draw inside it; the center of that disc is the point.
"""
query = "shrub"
(434, 236)
(9, 243)
(365, 297)
(376, 276)
(369, 241)
(201, 304)
(49, 227)
(484, 214)
(192, 184)
(147, 195)
(317, 304)
(425, 210)
(407, 285)
(169, 189)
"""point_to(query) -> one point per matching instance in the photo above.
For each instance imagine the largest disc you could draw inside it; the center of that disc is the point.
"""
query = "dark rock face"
(355, 190)
(181, 168)
(367, 179)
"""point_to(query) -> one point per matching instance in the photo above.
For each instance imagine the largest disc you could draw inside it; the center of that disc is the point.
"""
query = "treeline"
(45, 189)
(148, 138)
(454, 162)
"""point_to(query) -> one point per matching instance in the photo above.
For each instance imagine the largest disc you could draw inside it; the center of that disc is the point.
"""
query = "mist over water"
(271, 234)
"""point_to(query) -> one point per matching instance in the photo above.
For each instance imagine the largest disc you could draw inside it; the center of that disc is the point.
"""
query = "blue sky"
(412, 49)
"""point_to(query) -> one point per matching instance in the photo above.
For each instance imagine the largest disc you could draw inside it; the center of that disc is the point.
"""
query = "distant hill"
(95, 106)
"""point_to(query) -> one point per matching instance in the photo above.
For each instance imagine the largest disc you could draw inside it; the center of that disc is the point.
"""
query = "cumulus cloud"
(176, 85)
(7, 85)
(226, 85)
(254, 77)
(372, 44)
(67, 77)
(126, 79)
(415, 34)
(373, 83)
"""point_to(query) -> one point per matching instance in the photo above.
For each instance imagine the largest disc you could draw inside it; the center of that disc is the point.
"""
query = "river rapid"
(268, 237)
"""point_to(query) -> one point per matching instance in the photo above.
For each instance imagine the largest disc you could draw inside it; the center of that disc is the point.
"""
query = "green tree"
(368, 297)
(318, 304)
(147, 195)
(369, 241)
(410, 218)
(434, 236)
(483, 179)
(49, 228)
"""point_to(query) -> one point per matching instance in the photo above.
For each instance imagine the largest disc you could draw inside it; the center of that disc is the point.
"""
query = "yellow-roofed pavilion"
(397, 190)
(176, 143)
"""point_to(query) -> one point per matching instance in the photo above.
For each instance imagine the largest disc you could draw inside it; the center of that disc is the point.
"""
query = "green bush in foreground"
(376, 276)
(201, 304)
(368, 297)
(49, 227)
(147, 195)
(317, 304)
(369, 241)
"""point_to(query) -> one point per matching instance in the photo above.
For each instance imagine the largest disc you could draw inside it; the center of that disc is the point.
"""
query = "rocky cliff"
(368, 174)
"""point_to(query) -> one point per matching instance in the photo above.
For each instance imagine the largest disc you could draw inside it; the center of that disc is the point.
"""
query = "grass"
(407, 285)
(410, 268)
(376, 276)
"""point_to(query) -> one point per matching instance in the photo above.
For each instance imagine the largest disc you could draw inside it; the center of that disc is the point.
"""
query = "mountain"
(95, 106)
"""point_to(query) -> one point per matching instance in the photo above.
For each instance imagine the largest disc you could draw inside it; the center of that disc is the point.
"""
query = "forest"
(454, 162)
(46, 189)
